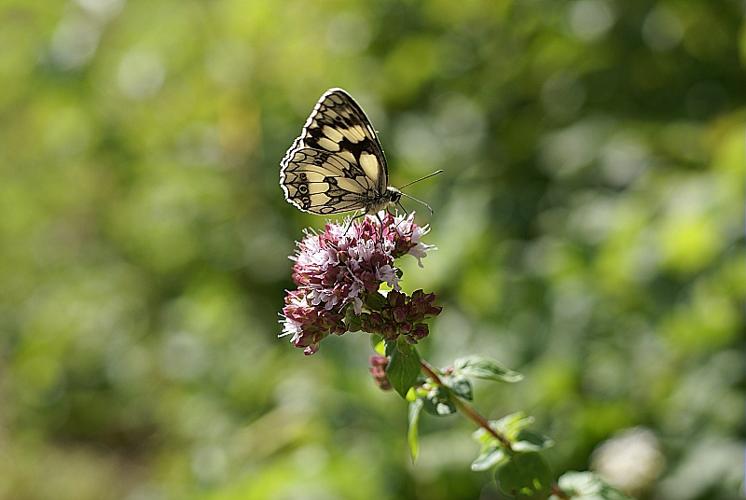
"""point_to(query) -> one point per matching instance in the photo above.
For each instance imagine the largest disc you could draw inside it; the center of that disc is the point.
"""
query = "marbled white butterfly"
(337, 164)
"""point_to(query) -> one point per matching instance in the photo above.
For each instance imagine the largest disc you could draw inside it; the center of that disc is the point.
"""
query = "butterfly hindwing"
(321, 182)
(338, 126)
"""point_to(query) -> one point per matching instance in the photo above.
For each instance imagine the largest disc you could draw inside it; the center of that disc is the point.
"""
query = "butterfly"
(337, 164)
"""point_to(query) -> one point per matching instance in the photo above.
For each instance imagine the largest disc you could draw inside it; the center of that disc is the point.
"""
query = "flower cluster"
(402, 315)
(344, 265)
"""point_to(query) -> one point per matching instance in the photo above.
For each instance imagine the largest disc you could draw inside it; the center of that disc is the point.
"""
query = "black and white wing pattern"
(336, 164)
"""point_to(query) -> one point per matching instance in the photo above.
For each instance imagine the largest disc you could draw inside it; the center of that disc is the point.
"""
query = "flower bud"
(420, 331)
(378, 366)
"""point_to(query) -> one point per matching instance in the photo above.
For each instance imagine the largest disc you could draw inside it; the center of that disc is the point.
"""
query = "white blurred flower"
(141, 74)
(74, 41)
(590, 20)
(662, 29)
(630, 461)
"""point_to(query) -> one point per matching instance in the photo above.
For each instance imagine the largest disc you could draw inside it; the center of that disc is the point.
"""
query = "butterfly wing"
(338, 125)
(323, 183)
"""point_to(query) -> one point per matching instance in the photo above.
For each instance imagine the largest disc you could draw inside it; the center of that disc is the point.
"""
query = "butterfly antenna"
(419, 201)
(422, 178)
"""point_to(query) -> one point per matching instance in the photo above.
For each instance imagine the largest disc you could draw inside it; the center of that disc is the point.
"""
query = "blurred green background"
(590, 225)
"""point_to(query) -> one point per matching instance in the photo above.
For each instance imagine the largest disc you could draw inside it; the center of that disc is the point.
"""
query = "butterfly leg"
(349, 224)
(380, 224)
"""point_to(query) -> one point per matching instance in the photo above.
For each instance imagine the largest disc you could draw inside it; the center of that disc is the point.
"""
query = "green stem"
(467, 410)
(482, 422)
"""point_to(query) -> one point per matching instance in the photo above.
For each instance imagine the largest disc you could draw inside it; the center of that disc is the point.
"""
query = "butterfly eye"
(303, 188)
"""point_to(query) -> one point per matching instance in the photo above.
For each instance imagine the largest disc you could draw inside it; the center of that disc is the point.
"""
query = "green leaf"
(378, 344)
(411, 394)
(389, 347)
(438, 402)
(415, 408)
(485, 368)
(587, 486)
(531, 441)
(491, 450)
(403, 368)
(511, 425)
(483, 437)
(375, 301)
(459, 385)
(524, 476)
(488, 458)
(353, 323)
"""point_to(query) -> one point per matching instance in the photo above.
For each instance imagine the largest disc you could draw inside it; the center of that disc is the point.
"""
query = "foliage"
(592, 207)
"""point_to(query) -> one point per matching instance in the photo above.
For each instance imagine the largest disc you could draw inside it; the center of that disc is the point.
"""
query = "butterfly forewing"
(336, 164)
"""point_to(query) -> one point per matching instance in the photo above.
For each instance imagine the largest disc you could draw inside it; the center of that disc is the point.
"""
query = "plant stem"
(556, 491)
(467, 409)
(482, 422)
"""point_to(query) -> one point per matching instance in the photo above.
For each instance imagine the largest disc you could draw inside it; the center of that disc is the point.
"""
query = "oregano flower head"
(338, 273)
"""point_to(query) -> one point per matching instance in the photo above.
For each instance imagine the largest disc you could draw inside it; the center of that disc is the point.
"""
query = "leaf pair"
(441, 399)
(513, 427)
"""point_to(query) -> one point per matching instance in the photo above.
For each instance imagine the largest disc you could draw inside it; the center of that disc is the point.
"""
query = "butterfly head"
(389, 197)
(392, 195)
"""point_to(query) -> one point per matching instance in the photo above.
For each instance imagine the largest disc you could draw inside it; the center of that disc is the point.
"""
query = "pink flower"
(308, 324)
(338, 266)
(407, 237)
(343, 265)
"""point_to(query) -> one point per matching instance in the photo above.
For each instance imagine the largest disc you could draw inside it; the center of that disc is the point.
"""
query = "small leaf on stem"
(415, 407)
(378, 344)
(511, 425)
(459, 385)
(488, 458)
(375, 301)
(485, 368)
(403, 368)
(531, 441)
(389, 346)
(438, 402)
(352, 320)
(524, 476)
